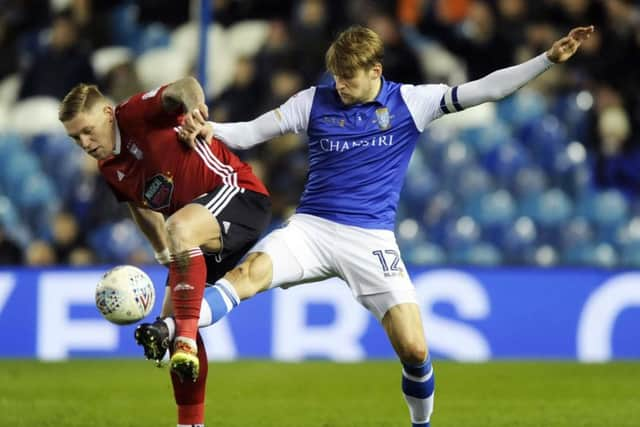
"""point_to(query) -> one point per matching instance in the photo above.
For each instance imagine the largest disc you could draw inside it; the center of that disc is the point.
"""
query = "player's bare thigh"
(251, 276)
(403, 325)
(193, 226)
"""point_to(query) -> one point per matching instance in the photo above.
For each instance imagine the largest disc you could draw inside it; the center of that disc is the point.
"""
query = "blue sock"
(418, 385)
(222, 298)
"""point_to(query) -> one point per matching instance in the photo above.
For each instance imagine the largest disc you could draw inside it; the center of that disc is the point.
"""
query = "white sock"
(205, 319)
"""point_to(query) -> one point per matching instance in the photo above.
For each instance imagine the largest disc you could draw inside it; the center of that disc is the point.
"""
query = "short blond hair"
(355, 48)
(79, 99)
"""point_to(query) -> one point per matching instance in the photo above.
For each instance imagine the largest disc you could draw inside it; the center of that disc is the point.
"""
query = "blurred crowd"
(262, 52)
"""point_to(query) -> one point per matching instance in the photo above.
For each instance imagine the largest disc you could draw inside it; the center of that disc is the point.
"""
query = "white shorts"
(310, 249)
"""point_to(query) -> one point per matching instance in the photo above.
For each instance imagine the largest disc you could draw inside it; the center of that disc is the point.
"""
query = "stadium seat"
(18, 168)
(493, 209)
(550, 208)
(518, 240)
(245, 38)
(529, 181)
(12, 224)
(505, 160)
(221, 62)
(9, 88)
(600, 254)
(572, 109)
(418, 188)
(472, 183)
(10, 143)
(522, 107)
(425, 254)
(461, 233)
(576, 231)
(38, 114)
(630, 255)
(114, 243)
(486, 137)
(152, 36)
(161, 65)
(439, 211)
(546, 138)
(606, 209)
(106, 58)
(480, 254)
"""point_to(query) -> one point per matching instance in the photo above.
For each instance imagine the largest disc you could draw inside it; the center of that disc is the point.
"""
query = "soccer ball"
(125, 295)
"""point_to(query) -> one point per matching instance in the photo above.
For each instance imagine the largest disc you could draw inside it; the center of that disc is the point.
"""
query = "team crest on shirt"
(158, 191)
(383, 118)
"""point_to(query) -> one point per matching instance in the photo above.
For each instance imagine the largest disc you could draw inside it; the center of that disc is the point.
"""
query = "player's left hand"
(193, 122)
(564, 48)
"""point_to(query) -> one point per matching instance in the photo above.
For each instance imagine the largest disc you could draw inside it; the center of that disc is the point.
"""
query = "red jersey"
(152, 168)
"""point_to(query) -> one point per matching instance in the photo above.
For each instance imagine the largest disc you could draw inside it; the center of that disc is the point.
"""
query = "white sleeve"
(494, 86)
(292, 116)
(423, 102)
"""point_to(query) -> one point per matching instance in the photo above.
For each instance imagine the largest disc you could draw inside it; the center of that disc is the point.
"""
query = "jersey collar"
(118, 145)
(383, 95)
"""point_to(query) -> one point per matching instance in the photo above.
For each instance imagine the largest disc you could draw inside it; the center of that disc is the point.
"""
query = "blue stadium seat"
(480, 254)
(486, 138)
(575, 116)
(522, 107)
(461, 233)
(505, 160)
(546, 137)
(601, 254)
(15, 172)
(10, 144)
(425, 254)
(550, 208)
(114, 243)
(438, 212)
(473, 182)
(630, 255)
(550, 211)
(493, 209)
(576, 231)
(419, 187)
(517, 240)
(529, 181)
(606, 209)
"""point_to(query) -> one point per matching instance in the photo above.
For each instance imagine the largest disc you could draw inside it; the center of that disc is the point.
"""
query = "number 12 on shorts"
(389, 259)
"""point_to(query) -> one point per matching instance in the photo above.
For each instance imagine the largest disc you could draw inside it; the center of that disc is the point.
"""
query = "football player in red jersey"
(200, 207)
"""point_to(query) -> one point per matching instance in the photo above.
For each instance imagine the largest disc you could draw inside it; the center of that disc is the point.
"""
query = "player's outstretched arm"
(152, 225)
(504, 82)
(292, 116)
(188, 95)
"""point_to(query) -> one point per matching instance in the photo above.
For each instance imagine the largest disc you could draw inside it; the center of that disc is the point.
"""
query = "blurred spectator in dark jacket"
(400, 64)
(10, 252)
(8, 52)
(61, 65)
(476, 40)
(312, 39)
(236, 103)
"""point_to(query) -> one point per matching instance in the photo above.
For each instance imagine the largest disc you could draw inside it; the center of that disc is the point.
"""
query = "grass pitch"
(119, 393)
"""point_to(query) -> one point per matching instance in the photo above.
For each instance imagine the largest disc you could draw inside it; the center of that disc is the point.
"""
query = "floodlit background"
(519, 221)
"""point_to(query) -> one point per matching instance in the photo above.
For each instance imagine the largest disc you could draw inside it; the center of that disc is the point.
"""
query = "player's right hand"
(193, 122)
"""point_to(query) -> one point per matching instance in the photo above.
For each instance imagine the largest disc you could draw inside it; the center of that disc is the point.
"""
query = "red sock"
(189, 395)
(187, 279)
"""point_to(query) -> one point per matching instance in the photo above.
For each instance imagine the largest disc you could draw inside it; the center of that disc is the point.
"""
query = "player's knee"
(412, 352)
